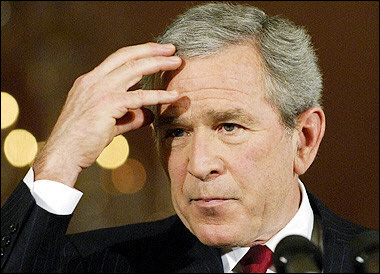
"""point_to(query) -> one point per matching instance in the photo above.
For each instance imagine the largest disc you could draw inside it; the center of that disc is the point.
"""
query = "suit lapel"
(193, 256)
(202, 259)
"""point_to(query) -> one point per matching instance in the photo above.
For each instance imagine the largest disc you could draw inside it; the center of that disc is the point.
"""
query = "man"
(236, 99)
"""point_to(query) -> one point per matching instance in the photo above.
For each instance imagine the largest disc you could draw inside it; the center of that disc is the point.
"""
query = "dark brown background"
(45, 46)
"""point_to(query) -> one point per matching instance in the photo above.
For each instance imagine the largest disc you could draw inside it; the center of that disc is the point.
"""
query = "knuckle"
(79, 80)
(106, 99)
(122, 50)
(156, 63)
(100, 102)
(84, 80)
(130, 65)
(140, 94)
(150, 44)
(136, 98)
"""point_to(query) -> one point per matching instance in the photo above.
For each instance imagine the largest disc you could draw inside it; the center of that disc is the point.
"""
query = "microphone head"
(365, 252)
(296, 254)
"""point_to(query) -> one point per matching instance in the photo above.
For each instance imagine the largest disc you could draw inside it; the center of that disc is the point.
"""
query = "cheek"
(247, 163)
(268, 172)
(268, 155)
(176, 167)
(262, 169)
(177, 171)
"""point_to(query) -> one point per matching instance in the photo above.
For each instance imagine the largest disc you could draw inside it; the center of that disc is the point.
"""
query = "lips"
(211, 201)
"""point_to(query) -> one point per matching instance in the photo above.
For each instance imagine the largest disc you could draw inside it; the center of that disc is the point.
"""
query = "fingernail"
(174, 59)
(169, 46)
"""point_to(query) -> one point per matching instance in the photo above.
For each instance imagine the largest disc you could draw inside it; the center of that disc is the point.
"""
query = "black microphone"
(296, 254)
(365, 252)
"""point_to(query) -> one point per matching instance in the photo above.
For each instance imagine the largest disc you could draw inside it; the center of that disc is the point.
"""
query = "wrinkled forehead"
(206, 101)
(239, 61)
(232, 78)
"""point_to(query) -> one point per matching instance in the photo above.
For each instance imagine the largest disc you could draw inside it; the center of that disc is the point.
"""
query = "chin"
(217, 235)
(218, 226)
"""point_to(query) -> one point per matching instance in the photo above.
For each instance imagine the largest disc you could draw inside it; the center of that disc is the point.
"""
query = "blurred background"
(46, 45)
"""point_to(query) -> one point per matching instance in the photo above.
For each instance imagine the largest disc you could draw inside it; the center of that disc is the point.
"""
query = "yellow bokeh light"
(106, 182)
(115, 154)
(130, 177)
(20, 147)
(9, 110)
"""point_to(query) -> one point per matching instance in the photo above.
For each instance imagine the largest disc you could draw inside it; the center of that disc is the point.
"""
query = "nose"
(205, 161)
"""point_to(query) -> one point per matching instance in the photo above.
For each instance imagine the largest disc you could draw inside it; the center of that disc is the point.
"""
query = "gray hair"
(291, 74)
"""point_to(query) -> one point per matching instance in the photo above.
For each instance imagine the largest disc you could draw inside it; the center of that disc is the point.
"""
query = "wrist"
(54, 167)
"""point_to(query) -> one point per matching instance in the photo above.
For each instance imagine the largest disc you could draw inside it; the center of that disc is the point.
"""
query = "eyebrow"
(230, 115)
(214, 116)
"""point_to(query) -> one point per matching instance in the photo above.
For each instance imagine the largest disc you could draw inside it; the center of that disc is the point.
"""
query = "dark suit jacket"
(33, 241)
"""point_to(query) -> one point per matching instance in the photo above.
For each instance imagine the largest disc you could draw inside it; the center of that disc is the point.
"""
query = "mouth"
(211, 202)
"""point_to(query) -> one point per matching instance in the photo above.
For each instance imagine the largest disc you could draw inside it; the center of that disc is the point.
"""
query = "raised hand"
(100, 106)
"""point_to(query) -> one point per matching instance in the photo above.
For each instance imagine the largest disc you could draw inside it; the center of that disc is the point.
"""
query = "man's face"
(228, 157)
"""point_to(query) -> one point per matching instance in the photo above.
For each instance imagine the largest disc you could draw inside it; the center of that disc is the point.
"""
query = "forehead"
(233, 77)
(233, 67)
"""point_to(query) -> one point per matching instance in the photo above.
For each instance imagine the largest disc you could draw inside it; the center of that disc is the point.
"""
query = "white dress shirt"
(52, 196)
(60, 199)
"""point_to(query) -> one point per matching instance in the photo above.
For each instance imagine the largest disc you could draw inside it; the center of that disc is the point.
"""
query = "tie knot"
(257, 260)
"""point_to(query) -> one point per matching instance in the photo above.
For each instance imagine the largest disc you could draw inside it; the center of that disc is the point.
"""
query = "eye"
(229, 127)
(175, 133)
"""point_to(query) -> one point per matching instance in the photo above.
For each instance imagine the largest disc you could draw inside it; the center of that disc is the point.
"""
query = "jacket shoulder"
(333, 221)
(144, 247)
(338, 234)
(89, 242)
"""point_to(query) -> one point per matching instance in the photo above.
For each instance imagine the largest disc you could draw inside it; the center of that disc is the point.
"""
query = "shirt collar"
(300, 224)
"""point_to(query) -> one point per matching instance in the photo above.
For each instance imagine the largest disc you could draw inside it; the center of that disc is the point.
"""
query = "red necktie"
(257, 260)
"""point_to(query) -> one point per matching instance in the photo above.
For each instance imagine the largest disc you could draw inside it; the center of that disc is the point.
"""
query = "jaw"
(222, 235)
(219, 226)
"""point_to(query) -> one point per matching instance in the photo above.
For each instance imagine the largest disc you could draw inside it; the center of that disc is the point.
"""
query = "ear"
(311, 129)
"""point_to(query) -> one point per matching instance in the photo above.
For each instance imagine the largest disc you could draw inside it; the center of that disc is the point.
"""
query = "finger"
(124, 102)
(134, 119)
(130, 73)
(131, 53)
(142, 98)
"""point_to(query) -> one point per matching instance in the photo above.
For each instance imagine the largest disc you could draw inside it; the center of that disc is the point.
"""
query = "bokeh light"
(130, 177)
(20, 147)
(115, 154)
(9, 110)
(106, 182)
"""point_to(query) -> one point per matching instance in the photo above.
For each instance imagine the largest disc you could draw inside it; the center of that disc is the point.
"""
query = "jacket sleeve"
(32, 238)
